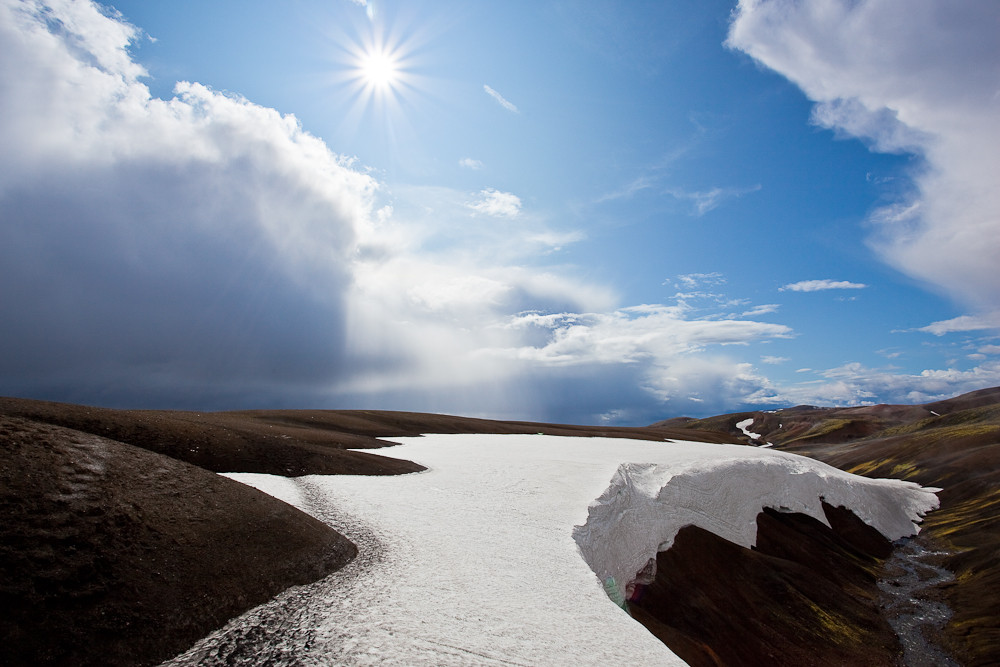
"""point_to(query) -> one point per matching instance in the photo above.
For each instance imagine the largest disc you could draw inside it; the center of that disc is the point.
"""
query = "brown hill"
(114, 555)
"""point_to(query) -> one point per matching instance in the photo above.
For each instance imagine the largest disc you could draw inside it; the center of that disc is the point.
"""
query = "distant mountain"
(953, 444)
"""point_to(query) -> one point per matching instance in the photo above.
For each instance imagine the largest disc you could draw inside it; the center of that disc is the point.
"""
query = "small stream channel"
(909, 574)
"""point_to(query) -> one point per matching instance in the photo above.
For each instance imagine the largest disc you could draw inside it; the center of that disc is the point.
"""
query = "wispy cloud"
(626, 192)
(820, 285)
(501, 100)
(695, 280)
(645, 355)
(707, 200)
(963, 323)
(774, 361)
(368, 6)
(556, 240)
(702, 201)
(497, 203)
(763, 309)
(470, 163)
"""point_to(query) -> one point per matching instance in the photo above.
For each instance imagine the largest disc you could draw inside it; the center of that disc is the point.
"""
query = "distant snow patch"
(744, 426)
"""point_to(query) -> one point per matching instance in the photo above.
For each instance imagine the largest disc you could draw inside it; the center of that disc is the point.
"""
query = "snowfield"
(502, 551)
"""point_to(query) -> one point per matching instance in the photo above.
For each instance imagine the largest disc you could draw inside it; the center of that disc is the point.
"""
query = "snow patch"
(477, 562)
(745, 426)
(723, 491)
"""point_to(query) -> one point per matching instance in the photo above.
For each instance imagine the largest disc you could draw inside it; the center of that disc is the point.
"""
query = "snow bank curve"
(645, 505)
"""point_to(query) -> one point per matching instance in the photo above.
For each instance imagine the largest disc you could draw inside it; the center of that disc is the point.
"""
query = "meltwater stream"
(909, 574)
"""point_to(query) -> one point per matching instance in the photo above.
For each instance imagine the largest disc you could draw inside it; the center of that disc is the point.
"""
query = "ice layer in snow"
(489, 557)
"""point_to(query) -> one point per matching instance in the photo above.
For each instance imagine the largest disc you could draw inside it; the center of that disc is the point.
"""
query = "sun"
(380, 73)
(379, 69)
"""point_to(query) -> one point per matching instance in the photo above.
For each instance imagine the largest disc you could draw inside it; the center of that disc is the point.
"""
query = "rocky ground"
(119, 546)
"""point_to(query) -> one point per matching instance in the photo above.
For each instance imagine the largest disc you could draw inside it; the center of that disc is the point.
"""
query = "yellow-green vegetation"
(842, 630)
(945, 523)
(825, 427)
(987, 416)
(868, 468)
(955, 432)
(904, 470)
(906, 429)
(886, 468)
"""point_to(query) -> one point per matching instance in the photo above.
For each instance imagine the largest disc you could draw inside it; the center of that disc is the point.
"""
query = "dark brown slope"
(114, 555)
(806, 595)
(220, 442)
(952, 444)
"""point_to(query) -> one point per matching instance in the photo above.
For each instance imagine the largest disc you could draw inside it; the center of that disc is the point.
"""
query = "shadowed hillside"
(952, 444)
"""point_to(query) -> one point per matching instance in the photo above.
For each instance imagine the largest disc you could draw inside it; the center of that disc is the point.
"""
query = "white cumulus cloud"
(498, 204)
(179, 245)
(857, 384)
(915, 76)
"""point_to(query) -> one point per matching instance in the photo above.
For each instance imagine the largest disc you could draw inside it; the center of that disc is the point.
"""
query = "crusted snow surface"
(478, 560)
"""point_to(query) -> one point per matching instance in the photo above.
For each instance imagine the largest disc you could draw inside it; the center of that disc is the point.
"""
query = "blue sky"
(588, 212)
